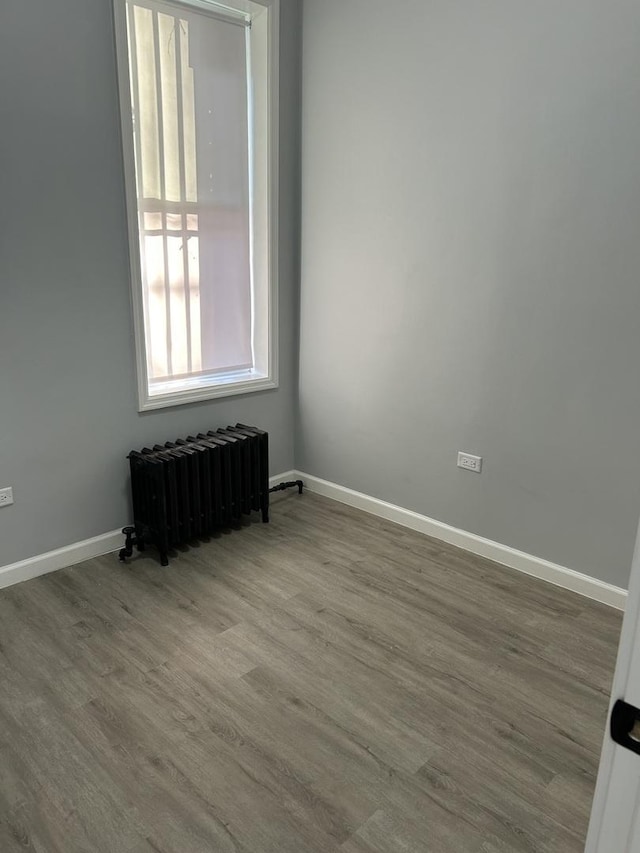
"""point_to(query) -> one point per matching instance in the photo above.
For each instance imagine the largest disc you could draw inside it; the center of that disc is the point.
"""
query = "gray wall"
(470, 277)
(68, 412)
(471, 265)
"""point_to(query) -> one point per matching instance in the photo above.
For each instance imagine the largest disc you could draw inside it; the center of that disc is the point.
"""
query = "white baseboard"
(62, 558)
(519, 560)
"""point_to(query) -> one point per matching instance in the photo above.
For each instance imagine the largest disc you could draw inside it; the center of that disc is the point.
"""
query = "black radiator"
(192, 487)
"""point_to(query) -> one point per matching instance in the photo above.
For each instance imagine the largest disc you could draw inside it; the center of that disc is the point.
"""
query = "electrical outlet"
(470, 462)
(6, 496)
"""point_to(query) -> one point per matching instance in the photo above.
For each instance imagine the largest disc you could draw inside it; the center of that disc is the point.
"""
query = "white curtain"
(189, 95)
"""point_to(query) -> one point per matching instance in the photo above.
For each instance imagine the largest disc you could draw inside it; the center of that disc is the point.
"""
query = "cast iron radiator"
(192, 487)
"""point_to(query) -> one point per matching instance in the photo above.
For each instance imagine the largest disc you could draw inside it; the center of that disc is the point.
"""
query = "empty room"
(319, 487)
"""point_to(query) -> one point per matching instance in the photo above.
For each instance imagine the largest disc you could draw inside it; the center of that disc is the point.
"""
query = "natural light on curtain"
(189, 97)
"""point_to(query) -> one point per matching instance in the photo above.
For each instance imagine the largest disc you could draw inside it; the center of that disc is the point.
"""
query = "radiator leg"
(127, 551)
(164, 559)
(265, 514)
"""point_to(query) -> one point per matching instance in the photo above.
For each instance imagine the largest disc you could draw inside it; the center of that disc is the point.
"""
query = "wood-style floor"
(327, 682)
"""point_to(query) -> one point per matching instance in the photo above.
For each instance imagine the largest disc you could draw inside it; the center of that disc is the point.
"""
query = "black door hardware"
(625, 726)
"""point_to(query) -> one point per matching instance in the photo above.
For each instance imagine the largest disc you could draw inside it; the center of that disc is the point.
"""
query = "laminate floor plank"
(327, 683)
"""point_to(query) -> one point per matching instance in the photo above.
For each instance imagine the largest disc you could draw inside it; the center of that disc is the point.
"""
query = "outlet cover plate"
(6, 496)
(470, 462)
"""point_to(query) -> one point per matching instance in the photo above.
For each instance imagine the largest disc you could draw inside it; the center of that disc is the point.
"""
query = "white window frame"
(265, 120)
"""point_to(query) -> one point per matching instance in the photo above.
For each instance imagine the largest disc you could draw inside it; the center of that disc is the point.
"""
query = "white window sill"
(168, 394)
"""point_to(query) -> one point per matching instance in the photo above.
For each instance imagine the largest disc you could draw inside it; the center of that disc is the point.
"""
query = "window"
(198, 93)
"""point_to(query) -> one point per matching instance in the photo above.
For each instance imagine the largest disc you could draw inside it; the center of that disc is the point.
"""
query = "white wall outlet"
(470, 462)
(6, 496)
